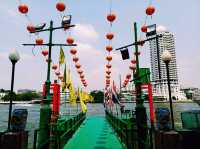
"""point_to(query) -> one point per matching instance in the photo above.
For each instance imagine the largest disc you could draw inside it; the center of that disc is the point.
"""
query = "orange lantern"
(39, 41)
(109, 36)
(82, 76)
(109, 58)
(108, 72)
(60, 6)
(150, 10)
(80, 71)
(107, 77)
(73, 51)
(111, 17)
(70, 40)
(45, 52)
(75, 59)
(23, 8)
(109, 48)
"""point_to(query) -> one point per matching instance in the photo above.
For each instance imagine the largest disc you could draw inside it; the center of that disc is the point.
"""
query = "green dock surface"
(94, 133)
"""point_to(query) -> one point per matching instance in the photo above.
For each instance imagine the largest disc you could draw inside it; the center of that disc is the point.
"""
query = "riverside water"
(93, 110)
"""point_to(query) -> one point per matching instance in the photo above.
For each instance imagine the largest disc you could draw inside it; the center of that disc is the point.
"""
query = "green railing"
(126, 130)
(62, 130)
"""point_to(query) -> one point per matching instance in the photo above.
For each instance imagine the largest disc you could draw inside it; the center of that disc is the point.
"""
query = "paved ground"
(94, 133)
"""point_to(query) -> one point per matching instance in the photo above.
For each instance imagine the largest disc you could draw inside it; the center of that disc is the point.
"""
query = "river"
(93, 109)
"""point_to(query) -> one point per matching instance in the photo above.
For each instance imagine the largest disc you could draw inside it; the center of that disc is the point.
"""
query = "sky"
(181, 17)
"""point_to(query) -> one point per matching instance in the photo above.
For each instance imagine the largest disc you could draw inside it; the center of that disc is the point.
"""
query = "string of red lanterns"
(111, 17)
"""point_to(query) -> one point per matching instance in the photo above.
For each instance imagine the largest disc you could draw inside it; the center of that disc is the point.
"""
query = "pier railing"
(63, 131)
(126, 130)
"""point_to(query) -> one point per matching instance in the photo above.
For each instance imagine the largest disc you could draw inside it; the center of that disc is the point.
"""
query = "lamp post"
(14, 57)
(166, 58)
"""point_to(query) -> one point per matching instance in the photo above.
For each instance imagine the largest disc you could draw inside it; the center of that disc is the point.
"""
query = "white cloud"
(85, 33)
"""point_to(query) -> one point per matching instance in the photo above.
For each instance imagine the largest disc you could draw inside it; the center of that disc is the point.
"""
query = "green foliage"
(98, 96)
(22, 97)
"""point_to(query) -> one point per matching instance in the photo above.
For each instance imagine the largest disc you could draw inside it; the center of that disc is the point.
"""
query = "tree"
(98, 96)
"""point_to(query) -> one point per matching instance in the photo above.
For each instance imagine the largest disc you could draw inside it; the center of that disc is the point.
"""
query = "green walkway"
(94, 133)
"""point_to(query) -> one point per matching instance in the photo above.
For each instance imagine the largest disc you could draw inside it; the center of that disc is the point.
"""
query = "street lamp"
(166, 58)
(14, 57)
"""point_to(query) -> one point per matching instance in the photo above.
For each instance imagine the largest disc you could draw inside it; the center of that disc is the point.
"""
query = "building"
(192, 93)
(165, 41)
(21, 91)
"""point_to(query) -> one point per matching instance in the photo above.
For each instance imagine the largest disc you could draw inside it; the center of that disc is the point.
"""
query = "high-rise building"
(166, 41)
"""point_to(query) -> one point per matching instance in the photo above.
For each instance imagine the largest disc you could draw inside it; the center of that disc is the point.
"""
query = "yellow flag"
(64, 81)
(82, 101)
(72, 94)
(62, 56)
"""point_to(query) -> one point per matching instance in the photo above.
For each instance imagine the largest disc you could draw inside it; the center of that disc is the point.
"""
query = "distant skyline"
(181, 17)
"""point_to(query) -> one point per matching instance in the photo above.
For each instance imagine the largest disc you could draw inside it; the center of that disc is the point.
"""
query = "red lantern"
(78, 66)
(150, 10)
(133, 61)
(60, 6)
(107, 77)
(73, 51)
(57, 73)
(30, 28)
(109, 48)
(144, 28)
(108, 66)
(109, 58)
(39, 41)
(70, 40)
(45, 52)
(23, 8)
(108, 72)
(111, 17)
(82, 80)
(80, 72)
(128, 76)
(82, 76)
(85, 85)
(137, 53)
(60, 77)
(75, 59)
(141, 42)
(109, 36)
(54, 67)
(132, 67)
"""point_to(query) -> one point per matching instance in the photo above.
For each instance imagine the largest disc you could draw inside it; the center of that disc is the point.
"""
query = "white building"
(159, 76)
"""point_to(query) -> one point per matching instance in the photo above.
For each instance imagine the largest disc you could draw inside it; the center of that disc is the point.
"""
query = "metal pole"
(170, 97)
(11, 94)
(45, 110)
(141, 116)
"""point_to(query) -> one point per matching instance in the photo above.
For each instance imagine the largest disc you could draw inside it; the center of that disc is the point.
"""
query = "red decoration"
(144, 28)
(57, 73)
(78, 66)
(70, 40)
(75, 59)
(132, 67)
(137, 53)
(45, 52)
(39, 41)
(73, 51)
(111, 17)
(80, 72)
(54, 67)
(60, 6)
(23, 8)
(150, 10)
(109, 48)
(141, 42)
(109, 58)
(133, 61)
(108, 72)
(82, 76)
(108, 66)
(30, 28)
(128, 76)
(109, 36)
(107, 77)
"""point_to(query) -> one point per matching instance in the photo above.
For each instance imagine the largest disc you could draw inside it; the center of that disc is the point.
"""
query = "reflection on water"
(93, 109)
